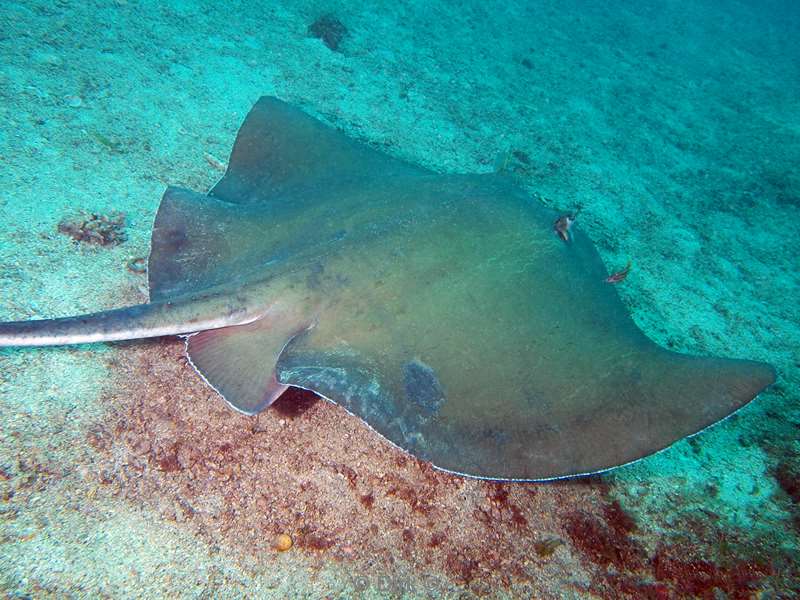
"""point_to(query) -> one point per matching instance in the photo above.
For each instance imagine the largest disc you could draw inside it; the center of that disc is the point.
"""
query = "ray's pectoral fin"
(239, 361)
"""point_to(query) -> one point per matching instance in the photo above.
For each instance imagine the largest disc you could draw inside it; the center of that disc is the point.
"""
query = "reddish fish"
(619, 275)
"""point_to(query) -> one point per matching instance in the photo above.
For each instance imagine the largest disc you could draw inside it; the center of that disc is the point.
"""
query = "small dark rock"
(330, 30)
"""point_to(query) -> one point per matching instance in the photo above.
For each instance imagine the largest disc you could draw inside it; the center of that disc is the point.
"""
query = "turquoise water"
(674, 129)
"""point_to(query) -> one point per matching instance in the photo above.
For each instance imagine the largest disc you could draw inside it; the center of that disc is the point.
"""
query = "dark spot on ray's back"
(422, 387)
(294, 402)
(495, 435)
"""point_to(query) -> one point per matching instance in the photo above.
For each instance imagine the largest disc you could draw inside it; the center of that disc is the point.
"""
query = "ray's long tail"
(129, 323)
(112, 325)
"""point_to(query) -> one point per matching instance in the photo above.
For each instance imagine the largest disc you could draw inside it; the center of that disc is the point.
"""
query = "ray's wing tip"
(764, 376)
(269, 99)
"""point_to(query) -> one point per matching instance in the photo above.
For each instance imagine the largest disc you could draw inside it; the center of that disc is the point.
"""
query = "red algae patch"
(704, 564)
(602, 545)
(308, 470)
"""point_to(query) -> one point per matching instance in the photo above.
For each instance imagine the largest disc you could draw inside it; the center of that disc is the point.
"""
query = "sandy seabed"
(676, 131)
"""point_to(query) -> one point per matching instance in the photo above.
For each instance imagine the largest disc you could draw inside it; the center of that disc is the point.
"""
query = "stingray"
(442, 309)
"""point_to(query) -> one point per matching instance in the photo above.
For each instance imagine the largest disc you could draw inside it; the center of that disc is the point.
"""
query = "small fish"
(619, 275)
(562, 226)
